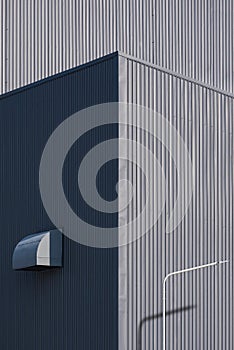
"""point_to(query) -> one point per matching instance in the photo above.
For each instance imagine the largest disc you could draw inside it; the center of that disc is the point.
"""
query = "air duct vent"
(38, 251)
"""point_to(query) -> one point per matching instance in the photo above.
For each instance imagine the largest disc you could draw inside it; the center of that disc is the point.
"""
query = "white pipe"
(177, 273)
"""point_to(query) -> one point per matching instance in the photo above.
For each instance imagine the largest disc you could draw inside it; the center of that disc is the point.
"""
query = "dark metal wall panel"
(74, 307)
(43, 37)
(200, 304)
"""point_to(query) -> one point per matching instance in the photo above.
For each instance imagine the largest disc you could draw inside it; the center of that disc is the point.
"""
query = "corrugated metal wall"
(200, 304)
(43, 37)
(75, 307)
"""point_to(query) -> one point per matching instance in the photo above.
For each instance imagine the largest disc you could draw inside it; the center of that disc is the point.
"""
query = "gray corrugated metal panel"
(204, 119)
(74, 307)
(44, 37)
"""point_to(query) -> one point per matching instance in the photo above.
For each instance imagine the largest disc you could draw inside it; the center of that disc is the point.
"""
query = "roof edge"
(59, 75)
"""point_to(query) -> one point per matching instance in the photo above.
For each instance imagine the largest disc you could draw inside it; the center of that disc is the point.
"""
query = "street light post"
(177, 273)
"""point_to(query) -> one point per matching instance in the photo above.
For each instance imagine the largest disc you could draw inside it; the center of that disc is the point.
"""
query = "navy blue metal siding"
(75, 307)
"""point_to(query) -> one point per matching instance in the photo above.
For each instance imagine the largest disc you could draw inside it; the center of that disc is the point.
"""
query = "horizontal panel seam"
(177, 75)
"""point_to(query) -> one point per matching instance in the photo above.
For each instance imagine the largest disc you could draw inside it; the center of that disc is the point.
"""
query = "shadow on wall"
(154, 317)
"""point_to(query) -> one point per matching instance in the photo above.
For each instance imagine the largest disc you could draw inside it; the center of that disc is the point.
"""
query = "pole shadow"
(155, 317)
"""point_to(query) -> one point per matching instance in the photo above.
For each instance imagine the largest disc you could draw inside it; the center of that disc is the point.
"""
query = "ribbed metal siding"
(42, 37)
(204, 118)
(74, 307)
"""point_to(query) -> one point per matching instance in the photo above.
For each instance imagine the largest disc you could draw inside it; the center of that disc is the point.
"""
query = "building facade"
(175, 59)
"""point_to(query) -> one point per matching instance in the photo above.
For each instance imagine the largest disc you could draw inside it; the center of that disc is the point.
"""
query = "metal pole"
(164, 289)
